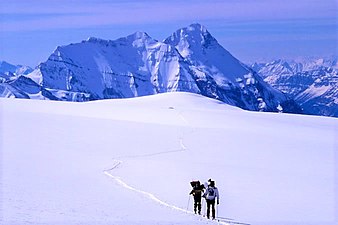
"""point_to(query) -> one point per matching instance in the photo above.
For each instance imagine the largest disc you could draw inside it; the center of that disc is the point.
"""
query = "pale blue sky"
(251, 30)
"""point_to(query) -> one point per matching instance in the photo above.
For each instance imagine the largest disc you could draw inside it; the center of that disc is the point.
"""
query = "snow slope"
(130, 161)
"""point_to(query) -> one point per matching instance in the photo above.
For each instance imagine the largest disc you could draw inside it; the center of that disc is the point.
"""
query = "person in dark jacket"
(211, 194)
(197, 191)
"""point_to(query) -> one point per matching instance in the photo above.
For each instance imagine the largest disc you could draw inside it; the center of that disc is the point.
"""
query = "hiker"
(197, 190)
(210, 196)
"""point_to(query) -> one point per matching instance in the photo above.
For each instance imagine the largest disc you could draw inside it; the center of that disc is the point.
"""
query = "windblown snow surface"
(130, 161)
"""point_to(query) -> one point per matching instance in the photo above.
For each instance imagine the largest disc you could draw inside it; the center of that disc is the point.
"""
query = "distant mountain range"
(313, 83)
(190, 60)
(9, 71)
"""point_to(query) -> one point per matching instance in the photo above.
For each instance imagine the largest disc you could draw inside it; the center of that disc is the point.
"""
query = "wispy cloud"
(43, 15)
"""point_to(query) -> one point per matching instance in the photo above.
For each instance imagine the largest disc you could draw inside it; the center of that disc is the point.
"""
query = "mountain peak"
(197, 28)
(194, 36)
(139, 35)
(196, 44)
(6, 67)
(137, 39)
(95, 40)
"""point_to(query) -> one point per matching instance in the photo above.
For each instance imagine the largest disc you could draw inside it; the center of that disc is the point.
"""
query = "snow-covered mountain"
(190, 60)
(220, 75)
(23, 87)
(313, 83)
(10, 69)
(136, 65)
(14, 84)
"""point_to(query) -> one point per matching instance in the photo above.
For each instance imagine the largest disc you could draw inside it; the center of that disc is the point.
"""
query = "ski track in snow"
(119, 181)
(151, 196)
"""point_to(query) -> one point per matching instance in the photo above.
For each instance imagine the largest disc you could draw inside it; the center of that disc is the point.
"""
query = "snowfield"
(130, 161)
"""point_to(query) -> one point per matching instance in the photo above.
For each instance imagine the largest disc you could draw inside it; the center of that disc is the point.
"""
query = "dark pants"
(197, 204)
(212, 203)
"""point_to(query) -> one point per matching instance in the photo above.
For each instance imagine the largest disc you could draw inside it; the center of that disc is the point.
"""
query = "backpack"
(211, 193)
(195, 183)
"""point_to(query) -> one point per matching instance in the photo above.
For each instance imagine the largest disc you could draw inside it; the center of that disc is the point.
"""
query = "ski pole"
(188, 203)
